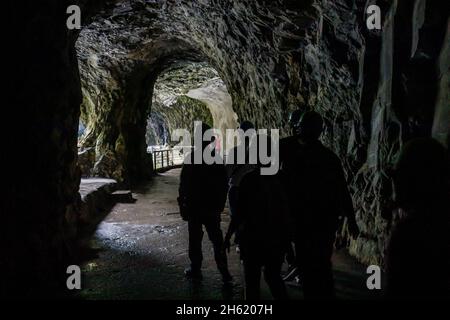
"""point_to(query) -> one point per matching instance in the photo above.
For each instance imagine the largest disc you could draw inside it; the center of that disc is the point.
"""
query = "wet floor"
(141, 252)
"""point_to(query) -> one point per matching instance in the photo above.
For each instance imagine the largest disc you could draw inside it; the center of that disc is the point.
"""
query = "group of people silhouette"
(294, 216)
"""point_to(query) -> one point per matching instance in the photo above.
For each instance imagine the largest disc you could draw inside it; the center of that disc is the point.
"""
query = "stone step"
(96, 202)
(90, 188)
(122, 196)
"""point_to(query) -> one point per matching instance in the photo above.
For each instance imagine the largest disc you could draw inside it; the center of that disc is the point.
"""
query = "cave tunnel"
(187, 93)
(89, 105)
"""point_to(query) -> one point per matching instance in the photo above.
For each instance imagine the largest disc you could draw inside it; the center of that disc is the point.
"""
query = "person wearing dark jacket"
(261, 216)
(322, 200)
(288, 150)
(202, 196)
(418, 251)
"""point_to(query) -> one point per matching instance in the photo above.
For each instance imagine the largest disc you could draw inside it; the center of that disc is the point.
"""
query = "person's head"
(421, 175)
(246, 125)
(310, 126)
(294, 119)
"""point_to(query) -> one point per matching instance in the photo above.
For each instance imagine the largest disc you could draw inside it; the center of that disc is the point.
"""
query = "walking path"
(142, 252)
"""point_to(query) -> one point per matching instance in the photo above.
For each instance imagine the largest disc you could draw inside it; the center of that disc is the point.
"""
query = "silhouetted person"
(418, 255)
(202, 196)
(288, 150)
(236, 171)
(261, 218)
(322, 199)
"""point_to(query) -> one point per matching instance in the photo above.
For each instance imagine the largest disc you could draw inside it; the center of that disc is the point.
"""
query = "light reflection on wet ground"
(142, 252)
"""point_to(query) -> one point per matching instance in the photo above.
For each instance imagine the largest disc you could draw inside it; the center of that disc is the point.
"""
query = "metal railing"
(167, 158)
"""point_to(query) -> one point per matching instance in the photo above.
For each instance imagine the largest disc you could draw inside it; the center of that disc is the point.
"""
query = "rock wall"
(113, 110)
(120, 58)
(398, 100)
(41, 175)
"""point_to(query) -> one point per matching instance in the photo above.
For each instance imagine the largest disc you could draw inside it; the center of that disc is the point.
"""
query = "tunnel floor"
(141, 252)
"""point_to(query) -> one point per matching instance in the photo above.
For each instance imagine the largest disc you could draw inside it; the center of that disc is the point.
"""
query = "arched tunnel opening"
(97, 185)
(184, 94)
